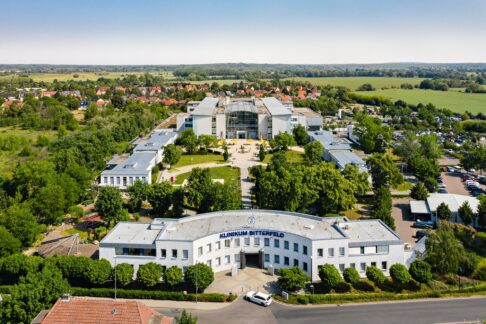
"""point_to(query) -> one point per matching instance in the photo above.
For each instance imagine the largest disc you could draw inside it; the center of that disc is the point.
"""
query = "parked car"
(420, 233)
(259, 298)
(423, 224)
(442, 190)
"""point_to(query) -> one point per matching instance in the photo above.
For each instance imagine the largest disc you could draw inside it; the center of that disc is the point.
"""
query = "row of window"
(174, 254)
(286, 261)
(256, 242)
(330, 252)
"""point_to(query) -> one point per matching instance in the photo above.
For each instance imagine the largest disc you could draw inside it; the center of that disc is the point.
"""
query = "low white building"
(156, 142)
(228, 239)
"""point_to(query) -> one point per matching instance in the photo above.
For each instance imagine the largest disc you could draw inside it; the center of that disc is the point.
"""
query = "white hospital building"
(235, 239)
(242, 118)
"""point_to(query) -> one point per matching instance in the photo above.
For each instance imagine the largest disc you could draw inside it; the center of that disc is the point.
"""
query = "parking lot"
(454, 184)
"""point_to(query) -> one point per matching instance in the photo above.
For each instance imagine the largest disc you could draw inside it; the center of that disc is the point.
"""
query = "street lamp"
(115, 275)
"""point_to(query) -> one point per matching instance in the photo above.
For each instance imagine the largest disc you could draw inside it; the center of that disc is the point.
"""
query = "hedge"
(150, 294)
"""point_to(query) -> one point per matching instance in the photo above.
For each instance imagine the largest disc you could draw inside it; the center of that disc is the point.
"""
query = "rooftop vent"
(66, 297)
(113, 311)
(309, 226)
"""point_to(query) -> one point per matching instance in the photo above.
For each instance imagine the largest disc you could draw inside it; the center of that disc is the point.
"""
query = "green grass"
(404, 186)
(230, 175)
(190, 159)
(453, 100)
(82, 234)
(292, 157)
(222, 81)
(354, 82)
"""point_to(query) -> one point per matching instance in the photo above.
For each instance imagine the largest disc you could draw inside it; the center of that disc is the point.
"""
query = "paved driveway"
(244, 281)
(454, 184)
(403, 221)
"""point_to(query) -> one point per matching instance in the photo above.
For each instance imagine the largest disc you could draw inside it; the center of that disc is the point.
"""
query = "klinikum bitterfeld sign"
(251, 233)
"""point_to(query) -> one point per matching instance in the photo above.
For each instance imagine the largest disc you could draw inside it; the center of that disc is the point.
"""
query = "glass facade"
(242, 124)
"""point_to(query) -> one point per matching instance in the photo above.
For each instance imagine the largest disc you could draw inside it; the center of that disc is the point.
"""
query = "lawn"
(354, 82)
(229, 174)
(190, 159)
(72, 231)
(453, 100)
(292, 157)
(404, 186)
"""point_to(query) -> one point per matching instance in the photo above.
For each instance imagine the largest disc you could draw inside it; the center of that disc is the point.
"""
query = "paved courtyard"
(245, 280)
(403, 221)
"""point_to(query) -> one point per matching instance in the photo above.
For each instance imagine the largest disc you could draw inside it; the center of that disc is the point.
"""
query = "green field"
(229, 174)
(221, 82)
(83, 76)
(292, 157)
(354, 82)
(190, 159)
(453, 100)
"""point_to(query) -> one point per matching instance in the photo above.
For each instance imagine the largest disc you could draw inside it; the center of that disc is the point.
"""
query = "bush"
(173, 276)
(17, 265)
(468, 264)
(99, 272)
(124, 273)
(351, 275)
(292, 279)
(364, 285)
(400, 274)
(375, 275)
(330, 276)
(302, 299)
(203, 273)
(421, 271)
(343, 287)
(480, 273)
(73, 268)
(149, 274)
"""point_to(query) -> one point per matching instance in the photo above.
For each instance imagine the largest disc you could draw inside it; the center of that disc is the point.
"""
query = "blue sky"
(210, 31)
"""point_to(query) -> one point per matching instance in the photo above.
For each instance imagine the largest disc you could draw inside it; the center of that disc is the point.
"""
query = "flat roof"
(344, 157)
(452, 200)
(156, 141)
(306, 112)
(275, 107)
(328, 140)
(206, 106)
(419, 207)
(136, 163)
(195, 227)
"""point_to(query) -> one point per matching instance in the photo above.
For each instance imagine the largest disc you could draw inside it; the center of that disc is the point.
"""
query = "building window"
(286, 245)
(341, 251)
(266, 241)
(352, 265)
(174, 253)
(296, 263)
(320, 252)
(237, 242)
(185, 254)
(208, 263)
(276, 243)
(361, 250)
(184, 270)
(330, 252)
(286, 261)
(384, 265)
(267, 257)
(373, 264)
(237, 257)
(218, 261)
(341, 267)
(208, 247)
(276, 259)
(227, 243)
(382, 249)
(304, 249)
(296, 247)
(163, 253)
(227, 259)
(362, 266)
(304, 266)
(256, 241)
(218, 245)
(247, 241)
(200, 251)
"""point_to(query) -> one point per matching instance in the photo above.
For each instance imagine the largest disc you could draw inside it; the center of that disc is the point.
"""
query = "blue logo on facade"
(251, 233)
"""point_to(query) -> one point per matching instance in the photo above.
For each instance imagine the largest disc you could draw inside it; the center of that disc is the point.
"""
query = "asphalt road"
(416, 312)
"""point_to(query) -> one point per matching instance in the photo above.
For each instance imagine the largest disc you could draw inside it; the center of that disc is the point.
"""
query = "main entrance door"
(253, 260)
(241, 134)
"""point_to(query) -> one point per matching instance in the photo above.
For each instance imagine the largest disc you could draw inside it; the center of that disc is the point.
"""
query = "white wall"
(221, 126)
(202, 125)
(281, 124)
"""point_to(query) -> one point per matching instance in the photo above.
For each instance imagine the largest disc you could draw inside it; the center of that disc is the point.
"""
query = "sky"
(250, 31)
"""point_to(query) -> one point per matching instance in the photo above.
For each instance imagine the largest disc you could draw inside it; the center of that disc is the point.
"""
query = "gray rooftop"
(244, 106)
(275, 107)
(343, 157)
(131, 233)
(206, 107)
(451, 200)
(137, 163)
(156, 141)
(328, 140)
(313, 227)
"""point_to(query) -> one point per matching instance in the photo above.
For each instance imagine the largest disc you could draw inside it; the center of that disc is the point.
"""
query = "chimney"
(66, 298)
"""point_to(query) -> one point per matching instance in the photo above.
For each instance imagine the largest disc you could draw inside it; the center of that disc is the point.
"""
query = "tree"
(351, 275)
(399, 274)
(375, 275)
(149, 274)
(421, 271)
(178, 197)
(198, 188)
(110, 205)
(261, 153)
(49, 204)
(99, 272)
(444, 251)
(419, 192)
(313, 152)
(481, 209)
(91, 112)
(200, 276)
(188, 140)
(186, 318)
(465, 213)
(383, 171)
(429, 147)
(360, 179)
(173, 276)
(19, 221)
(366, 87)
(292, 279)
(207, 141)
(172, 154)
(225, 154)
(372, 136)
(124, 273)
(382, 206)
(443, 212)
(300, 135)
(138, 194)
(160, 197)
(282, 141)
(330, 276)
(9, 244)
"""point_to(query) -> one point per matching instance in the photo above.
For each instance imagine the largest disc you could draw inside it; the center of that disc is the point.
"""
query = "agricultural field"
(83, 76)
(453, 100)
(221, 82)
(354, 82)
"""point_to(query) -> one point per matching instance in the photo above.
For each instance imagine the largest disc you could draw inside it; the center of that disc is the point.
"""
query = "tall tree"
(160, 197)
(282, 141)
(360, 179)
(19, 220)
(313, 152)
(382, 206)
(465, 213)
(137, 193)
(482, 212)
(300, 135)
(110, 205)
(383, 171)
(419, 192)
(188, 140)
(172, 154)
(9, 244)
(443, 212)
(444, 251)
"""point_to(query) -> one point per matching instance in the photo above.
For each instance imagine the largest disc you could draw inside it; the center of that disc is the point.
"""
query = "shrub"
(480, 273)
(202, 273)
(413, 285)
(99, 272)
(17, 265)
(364, 285)
(292, 279)
(74, 269)
(421, 271)
(468, 264)
(149, 274)
(351, 275)
(173, 276)
(330, 276)
(399, 274)
(375, 275)
(124, 273)
(302, 299)
(343, 287)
